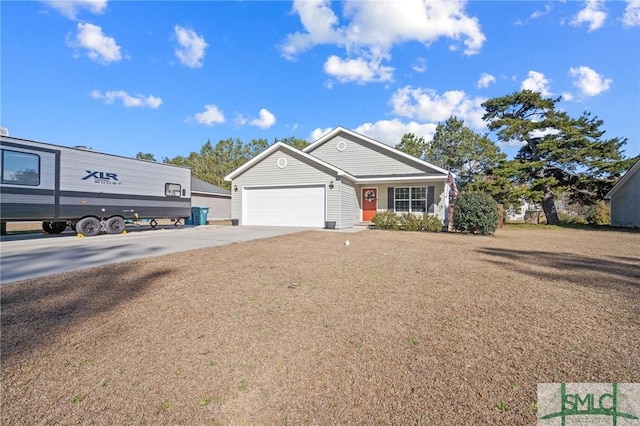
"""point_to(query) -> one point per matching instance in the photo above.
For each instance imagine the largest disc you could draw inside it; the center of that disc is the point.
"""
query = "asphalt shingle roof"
(198, 185)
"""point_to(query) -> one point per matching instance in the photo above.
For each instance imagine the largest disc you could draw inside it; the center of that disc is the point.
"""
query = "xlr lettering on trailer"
(105, 178)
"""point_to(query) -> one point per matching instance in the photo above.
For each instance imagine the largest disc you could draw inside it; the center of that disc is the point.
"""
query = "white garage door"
(285, 206)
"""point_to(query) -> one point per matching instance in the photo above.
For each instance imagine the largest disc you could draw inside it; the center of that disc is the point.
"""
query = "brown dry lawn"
(396, 328)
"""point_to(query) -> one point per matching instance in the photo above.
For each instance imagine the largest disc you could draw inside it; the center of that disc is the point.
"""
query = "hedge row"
(406, 222)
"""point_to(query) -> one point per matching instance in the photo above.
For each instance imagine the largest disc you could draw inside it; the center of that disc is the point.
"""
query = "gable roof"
(328, 136)
(623, 180)
(201, 186)
(283, 146)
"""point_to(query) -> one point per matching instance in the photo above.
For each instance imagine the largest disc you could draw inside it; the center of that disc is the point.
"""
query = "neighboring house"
(343, 178)
(519, 212)
(204, 194)
(625, 199)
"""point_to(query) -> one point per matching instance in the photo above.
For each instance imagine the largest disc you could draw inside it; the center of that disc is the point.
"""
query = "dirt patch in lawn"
(394, 328)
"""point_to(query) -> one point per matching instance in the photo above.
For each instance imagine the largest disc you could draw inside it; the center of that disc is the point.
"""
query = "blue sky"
(164, 77)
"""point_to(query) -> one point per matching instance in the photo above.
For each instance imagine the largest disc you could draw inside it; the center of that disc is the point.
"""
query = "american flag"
(451, 181)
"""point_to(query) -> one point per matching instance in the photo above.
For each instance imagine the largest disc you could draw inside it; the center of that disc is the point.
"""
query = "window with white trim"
(410, 199)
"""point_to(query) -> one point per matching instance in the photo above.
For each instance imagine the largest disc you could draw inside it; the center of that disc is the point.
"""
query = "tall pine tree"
(558, 153)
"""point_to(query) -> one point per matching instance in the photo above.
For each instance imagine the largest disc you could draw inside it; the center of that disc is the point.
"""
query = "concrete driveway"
(29, 256)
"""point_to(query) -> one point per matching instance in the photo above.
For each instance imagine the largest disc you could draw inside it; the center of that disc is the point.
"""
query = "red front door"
(369, 203)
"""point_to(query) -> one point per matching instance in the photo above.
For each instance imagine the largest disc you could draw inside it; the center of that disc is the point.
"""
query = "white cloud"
(71, 8)
(318, 20)
(537, 82)
(318, 133)
(100, 47)
(372, 28)
(428, 105)
(137, 101)
(593, 14)
(389, 132)
(266, 120)
(419, 65)
(485, 80)
(567, 96)
(589, 81)
(631, 16)
(538, 13)
(240, 120)
(210, 116)
(357, 70)
(191, 47)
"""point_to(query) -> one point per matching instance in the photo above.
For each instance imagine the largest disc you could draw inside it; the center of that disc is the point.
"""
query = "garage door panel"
(284, 206)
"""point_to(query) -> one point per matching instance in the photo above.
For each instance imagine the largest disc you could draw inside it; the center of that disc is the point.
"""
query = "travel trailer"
(86, 190)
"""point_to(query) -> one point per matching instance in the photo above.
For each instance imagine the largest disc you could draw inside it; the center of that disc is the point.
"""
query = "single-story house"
(625, 199)
(340, 180)
(218, 200)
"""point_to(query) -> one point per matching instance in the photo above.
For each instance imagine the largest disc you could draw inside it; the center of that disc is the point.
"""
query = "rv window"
(172, 189)
(20, 168)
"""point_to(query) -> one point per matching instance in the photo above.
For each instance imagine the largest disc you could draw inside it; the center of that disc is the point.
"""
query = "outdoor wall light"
(331, 185)
(235, 188)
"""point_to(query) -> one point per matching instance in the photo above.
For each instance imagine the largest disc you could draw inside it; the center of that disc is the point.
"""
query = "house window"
(172, 189)
(20, 168)
(410, 199)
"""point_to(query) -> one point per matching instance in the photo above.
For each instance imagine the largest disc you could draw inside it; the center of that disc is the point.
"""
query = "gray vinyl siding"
(625, 203)
(219, 205)
(363, 160)
(349, 208)
(441, 201)
(298, 172)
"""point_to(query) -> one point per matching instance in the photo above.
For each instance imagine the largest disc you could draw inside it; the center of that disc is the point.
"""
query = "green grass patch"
(164, 406)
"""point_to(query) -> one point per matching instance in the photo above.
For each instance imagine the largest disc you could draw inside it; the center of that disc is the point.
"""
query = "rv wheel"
(54, 227)
(115, 225)
(88, 226)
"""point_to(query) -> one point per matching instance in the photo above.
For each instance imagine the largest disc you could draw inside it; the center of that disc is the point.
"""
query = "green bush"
(475, 212)
(410, 222)
(599, 214)
(431, 223)
(386, 219)
(571, 218)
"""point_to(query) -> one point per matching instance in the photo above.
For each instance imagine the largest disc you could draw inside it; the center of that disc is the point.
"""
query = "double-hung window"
(410, 199)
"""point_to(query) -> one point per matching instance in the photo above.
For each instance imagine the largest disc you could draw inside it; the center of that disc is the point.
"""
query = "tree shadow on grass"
(604, 228)
(605, 272)
(37, 311)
